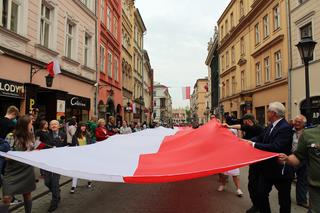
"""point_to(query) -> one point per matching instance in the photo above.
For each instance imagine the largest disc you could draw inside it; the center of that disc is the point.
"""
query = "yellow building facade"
(127, 57)
(253, 51)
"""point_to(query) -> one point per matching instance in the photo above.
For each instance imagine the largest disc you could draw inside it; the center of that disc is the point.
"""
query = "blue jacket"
(279, 141)
(4, 147)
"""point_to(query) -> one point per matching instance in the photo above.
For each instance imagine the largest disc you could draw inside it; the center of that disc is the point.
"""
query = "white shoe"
(220, 188)
(239, 193)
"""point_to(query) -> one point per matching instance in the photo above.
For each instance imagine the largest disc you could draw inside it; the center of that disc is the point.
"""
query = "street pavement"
(195, 196)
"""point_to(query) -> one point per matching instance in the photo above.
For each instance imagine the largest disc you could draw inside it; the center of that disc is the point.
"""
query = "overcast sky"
(177, 35)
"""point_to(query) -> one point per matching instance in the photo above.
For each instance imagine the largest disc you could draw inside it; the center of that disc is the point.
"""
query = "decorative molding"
(242, 61)
(65, 58)
(228, 71)
(14, 35)
(84, 67)
(304, 18)
(86, 9)
(47, 50)
(275, 41)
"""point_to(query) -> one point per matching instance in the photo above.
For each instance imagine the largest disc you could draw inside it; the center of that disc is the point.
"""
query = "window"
(231, 20)
(242, 81)
(234, 84)
(87, 3)
(87, 50)
(241, 8)
(242, 46)
(45, 25)
(102, 59)
(222, 62)
(257, 33)
(69, 39)
(223, 90)
(10, 14)
(115, 26)
(277, 57)
(258, 74)
(266, 30)
(276, 17)
(233, 55)
(306, 30)
(116, 69)
(227, 59)
(226, 27)
(109, 64)
(228, 88)
(222, 32)
(108, 18)
(267, 68)
(102, 12)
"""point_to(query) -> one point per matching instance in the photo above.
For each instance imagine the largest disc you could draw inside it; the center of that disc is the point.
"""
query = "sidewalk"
(41, 189)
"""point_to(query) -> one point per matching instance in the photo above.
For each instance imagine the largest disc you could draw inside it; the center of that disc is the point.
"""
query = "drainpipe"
(290, 60)
(96, 92)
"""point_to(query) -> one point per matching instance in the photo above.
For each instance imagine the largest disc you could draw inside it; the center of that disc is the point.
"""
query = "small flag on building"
(54, 68)
(186, 93)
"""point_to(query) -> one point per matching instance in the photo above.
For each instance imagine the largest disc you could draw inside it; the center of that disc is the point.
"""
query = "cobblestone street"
(183, 197)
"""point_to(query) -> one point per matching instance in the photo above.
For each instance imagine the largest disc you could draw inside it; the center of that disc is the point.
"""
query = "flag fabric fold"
(150, 156)
(54, 68)
(186, 93)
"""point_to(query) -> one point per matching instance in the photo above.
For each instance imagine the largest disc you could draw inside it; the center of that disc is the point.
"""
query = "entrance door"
(6, 102)
(260, 115)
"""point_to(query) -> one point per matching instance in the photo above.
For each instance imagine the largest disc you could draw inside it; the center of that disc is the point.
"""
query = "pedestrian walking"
(250, 129)
(57, 138)
(277, 138)
(301, 170)
(101, 131)
(19, 178)
(308, 150)
(125, 129)
(80, 138)
(92, 126)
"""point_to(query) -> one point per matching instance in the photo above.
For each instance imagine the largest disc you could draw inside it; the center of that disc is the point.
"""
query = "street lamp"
(306, 47)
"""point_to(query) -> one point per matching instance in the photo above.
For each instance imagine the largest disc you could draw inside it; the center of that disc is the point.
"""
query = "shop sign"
(61, 108)
(11, 89)
(77, 102)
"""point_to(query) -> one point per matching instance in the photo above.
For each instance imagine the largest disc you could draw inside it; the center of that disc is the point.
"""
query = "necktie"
(267, 132)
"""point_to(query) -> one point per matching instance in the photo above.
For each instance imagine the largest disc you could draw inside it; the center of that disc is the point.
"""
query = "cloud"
(176, 39)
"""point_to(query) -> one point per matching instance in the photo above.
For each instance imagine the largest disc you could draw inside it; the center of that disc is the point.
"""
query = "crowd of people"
(299, 158)
(298, 148)
(30, 132)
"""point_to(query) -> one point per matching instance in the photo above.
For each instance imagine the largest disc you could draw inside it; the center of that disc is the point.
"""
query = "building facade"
(198, 101)
(110, 101)
(305, 21)
(147, 88)
(34, 33)
(162, 109)
(179, 116)
(139, 30)
(127, 57)
(212, 63)
(253, 49)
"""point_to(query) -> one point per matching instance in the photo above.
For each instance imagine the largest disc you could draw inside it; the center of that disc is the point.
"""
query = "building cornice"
(267, 46)
(228, 71)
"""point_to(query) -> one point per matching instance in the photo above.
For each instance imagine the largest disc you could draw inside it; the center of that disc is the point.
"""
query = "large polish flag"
(186, 93)
(150, 156)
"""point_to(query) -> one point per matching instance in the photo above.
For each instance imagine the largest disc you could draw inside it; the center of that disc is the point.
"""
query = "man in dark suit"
(57, 138)
(277, 138)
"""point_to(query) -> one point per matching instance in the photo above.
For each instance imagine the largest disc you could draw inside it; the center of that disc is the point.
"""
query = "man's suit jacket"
(61, 141)
(278, 141)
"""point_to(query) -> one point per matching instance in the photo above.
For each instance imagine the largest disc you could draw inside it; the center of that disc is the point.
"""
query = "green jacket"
(92, 129)
(309, 150)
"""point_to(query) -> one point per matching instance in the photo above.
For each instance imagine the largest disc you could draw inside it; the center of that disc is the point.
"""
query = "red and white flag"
(150, 156)
(186, 93)
(54, 68)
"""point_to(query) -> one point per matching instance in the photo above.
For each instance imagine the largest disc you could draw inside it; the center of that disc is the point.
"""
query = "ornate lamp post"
(306, 47)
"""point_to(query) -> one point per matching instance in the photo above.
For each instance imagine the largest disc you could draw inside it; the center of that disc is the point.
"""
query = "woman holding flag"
(19, 178)
(80, 138)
